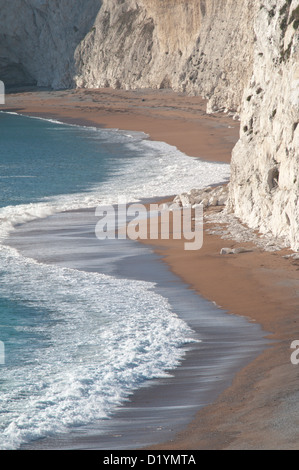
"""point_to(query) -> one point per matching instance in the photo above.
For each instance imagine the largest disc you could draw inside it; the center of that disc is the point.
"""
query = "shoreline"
(258, 409)
(164, 406)
(175, 118)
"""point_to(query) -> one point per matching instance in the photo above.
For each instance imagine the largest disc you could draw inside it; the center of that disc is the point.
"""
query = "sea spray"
(78, 344)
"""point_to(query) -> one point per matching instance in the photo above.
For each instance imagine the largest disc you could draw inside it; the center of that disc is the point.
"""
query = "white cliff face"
(264, 188)
(202, 47)
(38, 39)
(213, 48)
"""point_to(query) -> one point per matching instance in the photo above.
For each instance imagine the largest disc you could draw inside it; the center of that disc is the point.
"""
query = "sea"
(88, 326)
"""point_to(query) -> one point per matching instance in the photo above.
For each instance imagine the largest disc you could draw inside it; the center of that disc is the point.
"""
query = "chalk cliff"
(38, 39)
(242, 55)
(198, 46)
(264, 188)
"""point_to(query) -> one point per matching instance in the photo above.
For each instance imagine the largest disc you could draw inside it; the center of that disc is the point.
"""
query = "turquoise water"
(78, 343)
(40, 160)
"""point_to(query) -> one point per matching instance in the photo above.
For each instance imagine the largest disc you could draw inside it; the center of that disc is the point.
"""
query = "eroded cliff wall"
(213, 48)
(38, 39)
(264, 188)
(198, 46)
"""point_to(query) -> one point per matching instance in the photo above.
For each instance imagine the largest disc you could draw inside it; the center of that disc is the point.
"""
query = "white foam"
(103, 336)
(165, 171)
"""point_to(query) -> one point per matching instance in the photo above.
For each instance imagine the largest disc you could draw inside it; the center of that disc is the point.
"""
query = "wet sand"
(259, 409)
(177, 119)
(164, 406)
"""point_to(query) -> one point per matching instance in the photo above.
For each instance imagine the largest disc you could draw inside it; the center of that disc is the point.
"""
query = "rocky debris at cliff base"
(235, 251)
(228, 227)
(226, 251)
(224, 223)
(207, 197)
(293, 256)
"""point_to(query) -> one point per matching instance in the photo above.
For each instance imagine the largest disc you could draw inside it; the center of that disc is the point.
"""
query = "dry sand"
(259, 410)
(177, 119)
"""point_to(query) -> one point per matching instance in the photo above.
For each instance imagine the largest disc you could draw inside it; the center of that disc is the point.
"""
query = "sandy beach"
(258, 411)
